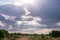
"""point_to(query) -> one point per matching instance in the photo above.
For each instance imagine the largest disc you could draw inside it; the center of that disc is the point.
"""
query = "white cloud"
(35, 30)
(19, 22)
(18, 3)
(1, 23)
(37, 19)
(43, 31)
(29, 24)
(11, 17)
(8, 17)
(26, 11)
(10, 27)
(24, 17)
(58, 23)
(4, 2)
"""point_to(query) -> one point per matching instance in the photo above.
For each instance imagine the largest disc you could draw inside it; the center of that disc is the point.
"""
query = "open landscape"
(54, 35)
(29, 19)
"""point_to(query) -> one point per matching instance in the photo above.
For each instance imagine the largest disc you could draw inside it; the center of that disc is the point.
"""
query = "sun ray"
(28, 1)
(18, 4)
(21, 2)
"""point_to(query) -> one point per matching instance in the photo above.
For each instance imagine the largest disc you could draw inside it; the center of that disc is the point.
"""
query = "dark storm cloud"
(49, 11)
(11, 9)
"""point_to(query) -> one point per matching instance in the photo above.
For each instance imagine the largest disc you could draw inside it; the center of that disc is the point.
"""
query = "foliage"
(42, 35)
(55, 34)
(3, 33)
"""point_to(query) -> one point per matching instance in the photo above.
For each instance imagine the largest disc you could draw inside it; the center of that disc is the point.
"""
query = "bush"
(42, 36)
(55, 33)
(3, 33)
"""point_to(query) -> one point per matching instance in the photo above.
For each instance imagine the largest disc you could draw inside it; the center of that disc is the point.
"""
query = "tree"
(3, 33)
(55, 33)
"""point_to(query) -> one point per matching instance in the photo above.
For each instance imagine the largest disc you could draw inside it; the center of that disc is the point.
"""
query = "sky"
(38, 16)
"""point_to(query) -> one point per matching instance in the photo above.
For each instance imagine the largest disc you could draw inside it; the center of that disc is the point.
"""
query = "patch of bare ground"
(23, 38)
(5, 38)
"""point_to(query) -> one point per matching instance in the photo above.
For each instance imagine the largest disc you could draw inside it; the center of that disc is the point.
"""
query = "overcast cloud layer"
(46, 11)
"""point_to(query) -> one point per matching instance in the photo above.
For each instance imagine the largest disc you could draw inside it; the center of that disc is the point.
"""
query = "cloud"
(10, 27)
(4, 2)
(7, 17)
(58, 23)
(44, 14)
(29, 17)
(9, 9)
(26, 11)
(1, 24)
(35, 30)
(29, 24)
(49, 12)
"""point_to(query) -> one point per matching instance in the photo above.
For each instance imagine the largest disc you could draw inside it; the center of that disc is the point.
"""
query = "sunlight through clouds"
(19, 22)
(58, 23)
(26, 11)
(23, 2)
(37, 19)
(6, 2)
(8, 17)
(28, 1)
(25, 24)
(18, 3)
(1, 24)
(29, 16)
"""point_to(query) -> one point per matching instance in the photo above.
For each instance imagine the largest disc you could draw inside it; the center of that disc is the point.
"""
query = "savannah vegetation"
(53, 35)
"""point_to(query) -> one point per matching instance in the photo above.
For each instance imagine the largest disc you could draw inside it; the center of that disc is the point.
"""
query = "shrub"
(55, 33)
(3, 33)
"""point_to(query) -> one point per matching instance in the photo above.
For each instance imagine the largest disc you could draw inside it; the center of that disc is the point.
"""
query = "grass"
(30, 37)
